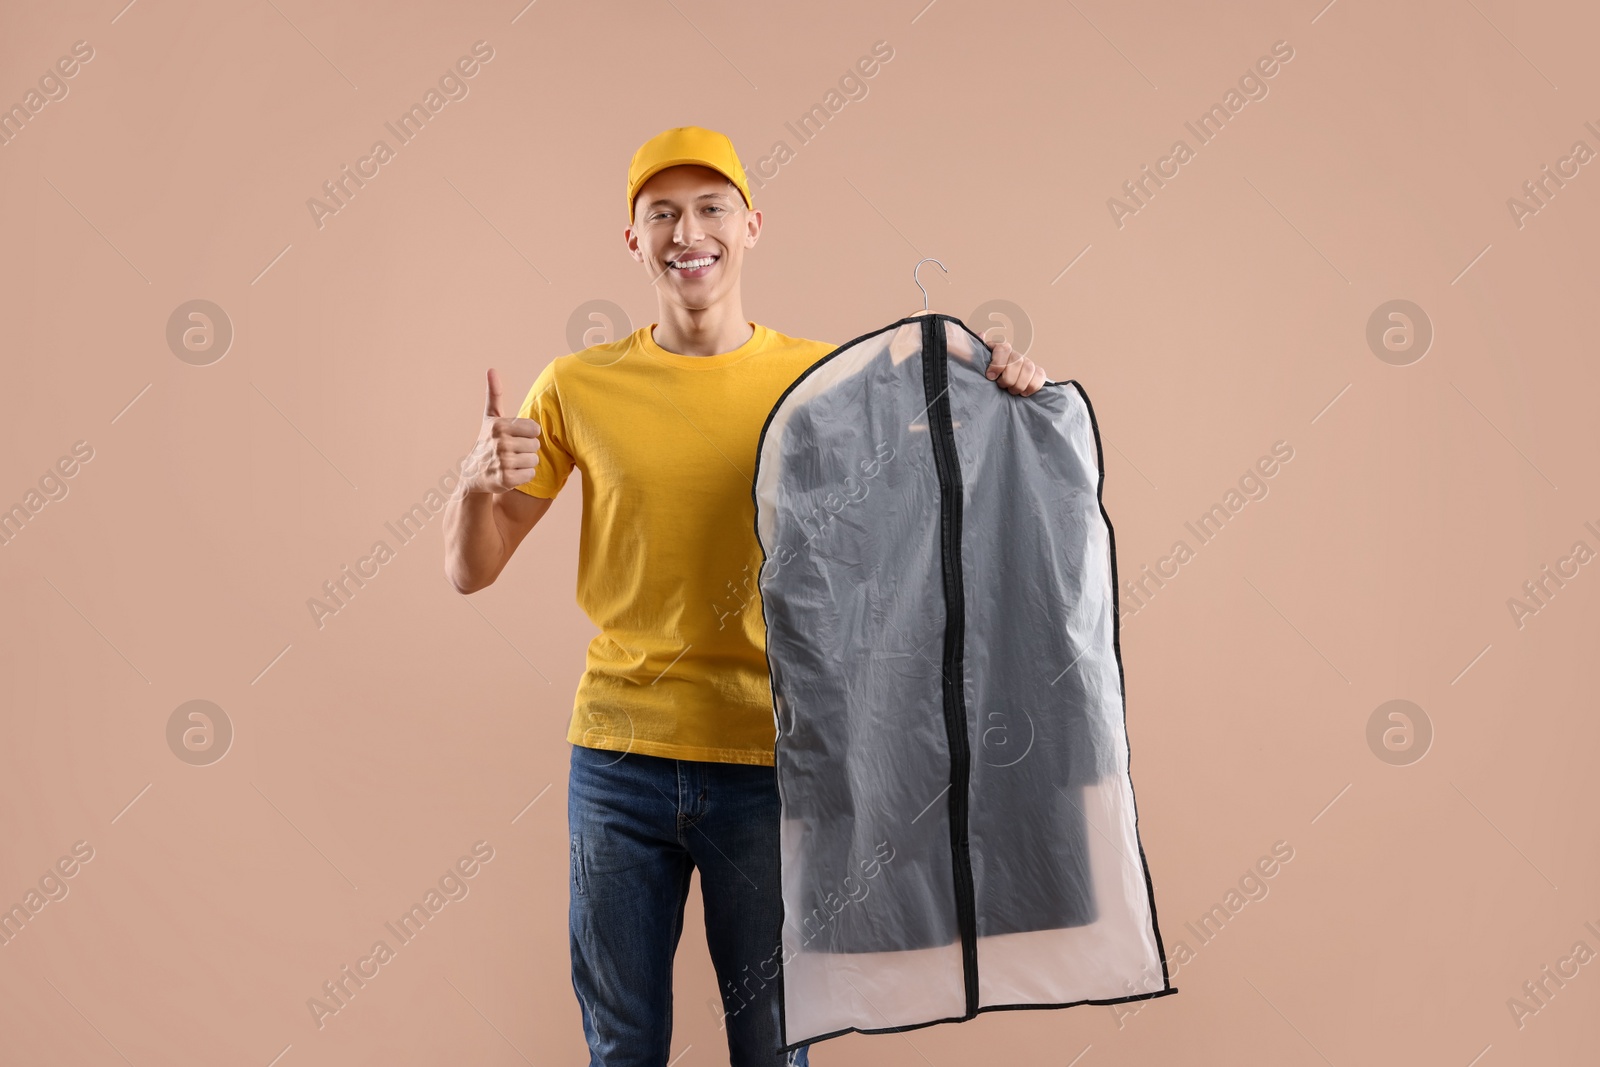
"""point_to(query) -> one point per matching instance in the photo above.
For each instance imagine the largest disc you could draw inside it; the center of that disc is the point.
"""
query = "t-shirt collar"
(647, 343)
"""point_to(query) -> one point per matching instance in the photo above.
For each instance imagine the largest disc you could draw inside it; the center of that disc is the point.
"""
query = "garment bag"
(939, 590)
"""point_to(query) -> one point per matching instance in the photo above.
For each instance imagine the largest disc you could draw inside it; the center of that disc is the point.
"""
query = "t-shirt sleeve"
(556, 461)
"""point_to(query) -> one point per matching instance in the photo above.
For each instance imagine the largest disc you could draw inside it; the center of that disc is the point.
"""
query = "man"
(672, 730)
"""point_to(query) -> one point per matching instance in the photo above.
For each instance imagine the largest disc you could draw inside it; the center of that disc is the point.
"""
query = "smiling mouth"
(695, 267)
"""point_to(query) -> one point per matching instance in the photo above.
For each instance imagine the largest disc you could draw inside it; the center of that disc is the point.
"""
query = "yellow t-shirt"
(667, 555)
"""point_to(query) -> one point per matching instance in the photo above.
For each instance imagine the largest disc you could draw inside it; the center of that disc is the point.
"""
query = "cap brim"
(664, 164)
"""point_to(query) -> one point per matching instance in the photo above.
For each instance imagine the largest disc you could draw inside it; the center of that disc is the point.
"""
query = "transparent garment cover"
(958, 830)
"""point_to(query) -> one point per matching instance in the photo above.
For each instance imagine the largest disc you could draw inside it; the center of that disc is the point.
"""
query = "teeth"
(694, 264)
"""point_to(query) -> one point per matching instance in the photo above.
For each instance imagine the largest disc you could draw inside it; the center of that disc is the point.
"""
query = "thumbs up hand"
(507, 452)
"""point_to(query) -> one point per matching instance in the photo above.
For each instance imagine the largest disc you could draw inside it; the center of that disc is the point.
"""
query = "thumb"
(491, 408)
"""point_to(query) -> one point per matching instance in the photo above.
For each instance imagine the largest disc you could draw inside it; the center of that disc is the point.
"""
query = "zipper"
(941, 432)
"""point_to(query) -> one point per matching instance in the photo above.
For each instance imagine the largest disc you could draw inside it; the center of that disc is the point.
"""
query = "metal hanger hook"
(920, 262)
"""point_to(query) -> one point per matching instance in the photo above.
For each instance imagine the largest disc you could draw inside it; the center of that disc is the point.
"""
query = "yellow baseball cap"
(685, 144)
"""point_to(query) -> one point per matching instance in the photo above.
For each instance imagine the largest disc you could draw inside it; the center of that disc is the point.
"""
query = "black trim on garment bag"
(1116, 648)
(941, 435)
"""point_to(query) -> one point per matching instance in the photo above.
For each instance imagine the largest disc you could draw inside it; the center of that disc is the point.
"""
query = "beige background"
(1230, 312)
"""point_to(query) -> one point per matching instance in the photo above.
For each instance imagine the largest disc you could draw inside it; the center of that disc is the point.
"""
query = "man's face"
(690, 215)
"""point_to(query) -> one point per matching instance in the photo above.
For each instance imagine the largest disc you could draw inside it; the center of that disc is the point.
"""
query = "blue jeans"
(640, 825)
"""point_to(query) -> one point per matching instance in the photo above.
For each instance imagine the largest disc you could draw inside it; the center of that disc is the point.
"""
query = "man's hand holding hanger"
(1012, 371)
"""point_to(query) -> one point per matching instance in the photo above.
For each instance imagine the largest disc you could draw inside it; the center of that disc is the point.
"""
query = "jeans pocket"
(579, 882)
